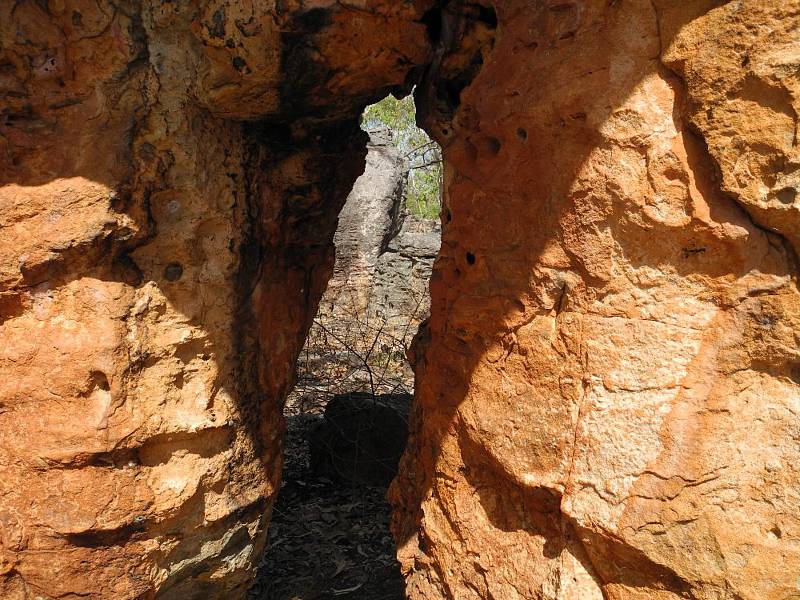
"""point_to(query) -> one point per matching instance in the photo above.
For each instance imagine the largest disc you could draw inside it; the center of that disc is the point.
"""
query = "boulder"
(606, 389)
(361, 437)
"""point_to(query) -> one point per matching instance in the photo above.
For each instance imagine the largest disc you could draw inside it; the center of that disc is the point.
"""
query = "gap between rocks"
(347, 416)
(329, 532)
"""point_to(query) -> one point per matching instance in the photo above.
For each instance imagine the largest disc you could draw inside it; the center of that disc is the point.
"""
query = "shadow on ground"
(326, 539)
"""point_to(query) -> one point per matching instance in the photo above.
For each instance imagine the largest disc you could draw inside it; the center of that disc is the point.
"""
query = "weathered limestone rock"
(400, 296)
(607, 388)
(370, 219)
(384, 256)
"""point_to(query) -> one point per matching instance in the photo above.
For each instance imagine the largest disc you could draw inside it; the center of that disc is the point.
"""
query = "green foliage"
(423, 192)
(423, 195)
(399, 116)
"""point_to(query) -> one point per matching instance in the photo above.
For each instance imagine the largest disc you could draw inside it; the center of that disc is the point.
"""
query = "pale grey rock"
(384, 256)
(400, 296)
(370, 217)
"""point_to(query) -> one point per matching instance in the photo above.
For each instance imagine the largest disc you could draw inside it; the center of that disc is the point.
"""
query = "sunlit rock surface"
(607, 388)
(170, 175)
(384, 255)
(370, 219)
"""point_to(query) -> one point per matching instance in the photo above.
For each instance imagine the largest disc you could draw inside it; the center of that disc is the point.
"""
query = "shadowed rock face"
(400, 296)
(608, 382)
(361, 438)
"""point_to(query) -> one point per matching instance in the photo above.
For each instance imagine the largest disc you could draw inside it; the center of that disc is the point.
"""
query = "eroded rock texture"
(170, 174)
(370, 218)
(384, 254)
(400, 295)
(608, 385)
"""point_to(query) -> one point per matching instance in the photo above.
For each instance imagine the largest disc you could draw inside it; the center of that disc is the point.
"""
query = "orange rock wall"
(168, 198)
(608, 385)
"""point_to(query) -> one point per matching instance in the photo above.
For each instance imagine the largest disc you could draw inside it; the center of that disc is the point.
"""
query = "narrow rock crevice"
(170, 180)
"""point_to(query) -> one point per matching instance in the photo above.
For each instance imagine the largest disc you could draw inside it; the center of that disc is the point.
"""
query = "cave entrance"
(347, 417)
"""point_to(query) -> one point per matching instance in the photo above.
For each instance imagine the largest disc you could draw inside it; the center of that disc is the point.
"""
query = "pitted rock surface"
(170, 175)
(607, 386)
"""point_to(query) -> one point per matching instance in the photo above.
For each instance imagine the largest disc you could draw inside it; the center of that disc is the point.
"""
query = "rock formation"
(607, 386)
(361, 438)
(370, 218)
(170, 175)
(400, 296)
(384, 255)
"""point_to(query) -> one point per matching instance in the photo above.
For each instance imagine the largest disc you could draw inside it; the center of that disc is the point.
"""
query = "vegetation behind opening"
(423, 192)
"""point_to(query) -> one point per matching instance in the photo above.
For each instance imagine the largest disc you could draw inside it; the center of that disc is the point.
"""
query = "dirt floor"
(326, 539)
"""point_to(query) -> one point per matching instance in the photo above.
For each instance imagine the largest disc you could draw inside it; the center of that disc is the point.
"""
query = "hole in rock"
(100, 380)
(173, 272)
(787, 195)
(488, 15)
(347, 417)
(433, 24)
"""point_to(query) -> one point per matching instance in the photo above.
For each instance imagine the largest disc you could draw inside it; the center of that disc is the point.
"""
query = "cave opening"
(347, 416)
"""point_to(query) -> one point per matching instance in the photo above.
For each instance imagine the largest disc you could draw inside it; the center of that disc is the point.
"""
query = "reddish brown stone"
(607, 385)
(606, 391)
